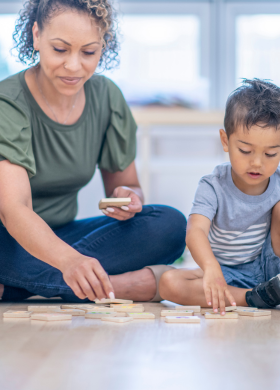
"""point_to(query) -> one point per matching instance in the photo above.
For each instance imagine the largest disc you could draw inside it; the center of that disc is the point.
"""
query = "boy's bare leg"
(275, 229)
(185, 287)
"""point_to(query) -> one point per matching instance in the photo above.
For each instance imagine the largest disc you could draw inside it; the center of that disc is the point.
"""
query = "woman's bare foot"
(138, 285)
(1, 290)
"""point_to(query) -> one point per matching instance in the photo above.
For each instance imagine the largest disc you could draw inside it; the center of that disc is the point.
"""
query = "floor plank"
(143, 354)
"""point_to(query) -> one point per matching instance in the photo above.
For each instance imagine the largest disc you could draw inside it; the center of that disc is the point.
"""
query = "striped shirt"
(239, 222)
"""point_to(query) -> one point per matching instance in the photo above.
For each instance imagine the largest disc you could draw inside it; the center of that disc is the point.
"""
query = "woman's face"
(70, 46)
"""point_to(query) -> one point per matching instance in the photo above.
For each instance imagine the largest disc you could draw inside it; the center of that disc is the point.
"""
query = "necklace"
(49, 106)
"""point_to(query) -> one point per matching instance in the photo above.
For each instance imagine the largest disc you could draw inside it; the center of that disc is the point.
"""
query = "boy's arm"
(214, 284)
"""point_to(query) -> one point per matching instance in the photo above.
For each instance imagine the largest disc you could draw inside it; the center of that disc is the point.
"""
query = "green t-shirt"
(61, 159)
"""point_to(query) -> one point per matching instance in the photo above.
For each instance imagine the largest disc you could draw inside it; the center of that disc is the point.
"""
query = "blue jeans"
(154, 236)
(249, 275)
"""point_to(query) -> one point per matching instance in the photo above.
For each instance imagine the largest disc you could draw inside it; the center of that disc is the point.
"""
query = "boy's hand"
(216, 289)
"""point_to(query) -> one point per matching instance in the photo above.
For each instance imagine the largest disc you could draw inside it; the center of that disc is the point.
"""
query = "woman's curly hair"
(42, 11)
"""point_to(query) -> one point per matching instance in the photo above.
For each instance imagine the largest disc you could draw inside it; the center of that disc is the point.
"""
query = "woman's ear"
(224, 139)
(36, 37)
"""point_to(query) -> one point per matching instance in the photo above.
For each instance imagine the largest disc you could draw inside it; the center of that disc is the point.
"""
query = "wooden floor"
(141, 355)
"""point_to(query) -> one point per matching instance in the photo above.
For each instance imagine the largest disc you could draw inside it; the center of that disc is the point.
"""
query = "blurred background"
(179, 62)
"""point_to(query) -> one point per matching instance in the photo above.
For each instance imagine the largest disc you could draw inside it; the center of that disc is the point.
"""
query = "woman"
(57, 121)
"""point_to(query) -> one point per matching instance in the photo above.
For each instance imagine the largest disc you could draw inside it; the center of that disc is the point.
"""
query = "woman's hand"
(216, 289)
(86, 277)
(125, 212)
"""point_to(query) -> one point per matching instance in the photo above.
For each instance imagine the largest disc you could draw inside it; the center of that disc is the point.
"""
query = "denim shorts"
(249, 275)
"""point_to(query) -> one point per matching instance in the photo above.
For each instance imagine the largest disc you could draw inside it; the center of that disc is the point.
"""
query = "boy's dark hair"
(256, 102)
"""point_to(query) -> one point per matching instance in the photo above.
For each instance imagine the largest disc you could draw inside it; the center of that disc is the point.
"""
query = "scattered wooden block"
(215, 316)
(195, 309)
(51, 316)
(111, 202)
(82, 306)
(177, 313)
(227, 309)
(121, 314)
(99, 315)
(101, 309)
(142, 316)
(129, 309)
(119, 305)
(120, 320)
(183, 319)
(17, 314)
(73, 312)
(43, 309)
(109, 301)
(253, 312)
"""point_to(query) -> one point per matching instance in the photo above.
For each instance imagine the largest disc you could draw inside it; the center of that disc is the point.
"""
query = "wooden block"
(84, 307)
(101, 309)
(99, 315)
(176, 313)
(51, 316)
(227, 316)
(119, 305)
(109, 301)
(142, 316)
(17, 314)
(43, 309)
(195, 309)
(121, 314)
(113, 202)
(120, 320)
(183, 319)
(227, 309)
(253, 312)
(129, 309)
(73, 312)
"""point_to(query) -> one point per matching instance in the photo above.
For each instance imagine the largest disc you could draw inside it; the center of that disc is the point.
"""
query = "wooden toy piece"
(43, 309)
(17, 314)
(51, 316)
(99, 315)
(215, 316)
(182, 319)
(129, 309)
(176, 313)
(121, 314)
(101, 309)
(113, 202)
(73, 312)
(84, 307)
(109, 301)
(251, 312)
(195, 309)
(120, 320)
(142, 316)
(118, 305)
(228, 309)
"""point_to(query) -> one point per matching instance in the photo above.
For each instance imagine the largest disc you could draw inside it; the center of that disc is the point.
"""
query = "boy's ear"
(224, 139)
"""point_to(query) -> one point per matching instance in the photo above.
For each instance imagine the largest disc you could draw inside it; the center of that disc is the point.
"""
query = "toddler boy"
(235, 207)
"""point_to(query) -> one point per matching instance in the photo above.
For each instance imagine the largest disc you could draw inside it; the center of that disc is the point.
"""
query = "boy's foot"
(265, 295)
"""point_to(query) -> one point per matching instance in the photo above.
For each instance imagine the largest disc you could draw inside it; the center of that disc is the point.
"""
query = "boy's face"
(254, 156)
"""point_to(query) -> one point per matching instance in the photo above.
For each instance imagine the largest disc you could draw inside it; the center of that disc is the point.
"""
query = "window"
(258, 47)
(160, 60)
(9, 64)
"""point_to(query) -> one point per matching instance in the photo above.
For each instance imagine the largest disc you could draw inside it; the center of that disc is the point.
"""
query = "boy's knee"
(166, 283)
(275, 229)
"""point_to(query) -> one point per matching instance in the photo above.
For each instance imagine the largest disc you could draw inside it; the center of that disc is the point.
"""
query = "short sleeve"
(15, 136)
(119, 146)
(205, 200)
